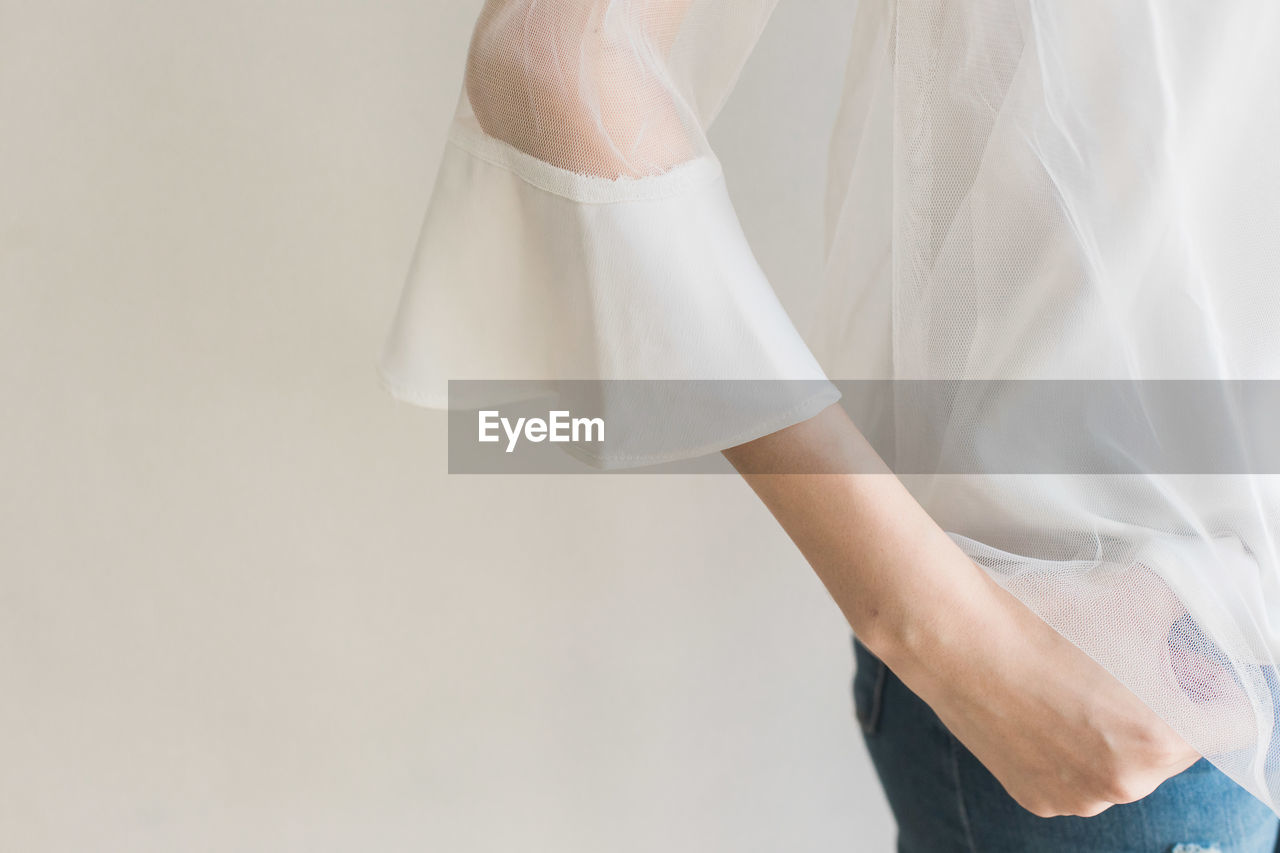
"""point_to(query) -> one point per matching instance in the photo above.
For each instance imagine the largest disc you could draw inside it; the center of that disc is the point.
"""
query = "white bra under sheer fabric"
(1017, 189)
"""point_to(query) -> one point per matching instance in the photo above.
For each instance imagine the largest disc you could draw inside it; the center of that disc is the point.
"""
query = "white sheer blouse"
(1018, 189)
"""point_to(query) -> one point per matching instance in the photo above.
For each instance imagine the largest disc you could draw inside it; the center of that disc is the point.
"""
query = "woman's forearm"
(900, 581)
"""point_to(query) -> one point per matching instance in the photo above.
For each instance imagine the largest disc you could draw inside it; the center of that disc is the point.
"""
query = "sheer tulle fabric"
(1088, 191)
(580, 226)
(1018, 189)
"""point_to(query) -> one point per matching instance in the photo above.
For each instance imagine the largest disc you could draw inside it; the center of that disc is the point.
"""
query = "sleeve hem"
(587, 189)
(802, 411)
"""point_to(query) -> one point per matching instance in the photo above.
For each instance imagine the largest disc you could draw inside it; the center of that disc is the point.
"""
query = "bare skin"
(1061, 734)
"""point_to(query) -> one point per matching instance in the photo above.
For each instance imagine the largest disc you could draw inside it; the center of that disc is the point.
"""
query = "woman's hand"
(1061, 734)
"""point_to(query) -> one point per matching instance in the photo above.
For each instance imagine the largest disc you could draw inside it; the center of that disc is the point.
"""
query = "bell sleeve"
(580, 228)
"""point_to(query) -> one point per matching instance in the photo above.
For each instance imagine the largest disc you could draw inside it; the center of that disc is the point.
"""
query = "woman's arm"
(589, 87)
(1060, 733)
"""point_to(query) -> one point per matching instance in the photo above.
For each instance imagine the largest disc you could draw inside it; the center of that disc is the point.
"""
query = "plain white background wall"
(242, 607)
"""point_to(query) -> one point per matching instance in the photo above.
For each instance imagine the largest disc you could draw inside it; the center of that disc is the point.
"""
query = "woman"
(1019, 189)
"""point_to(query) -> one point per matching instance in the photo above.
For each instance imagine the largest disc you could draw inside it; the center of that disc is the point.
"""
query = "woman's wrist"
(919, 626)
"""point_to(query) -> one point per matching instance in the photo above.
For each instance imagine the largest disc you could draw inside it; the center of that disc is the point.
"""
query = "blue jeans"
(944, 800)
